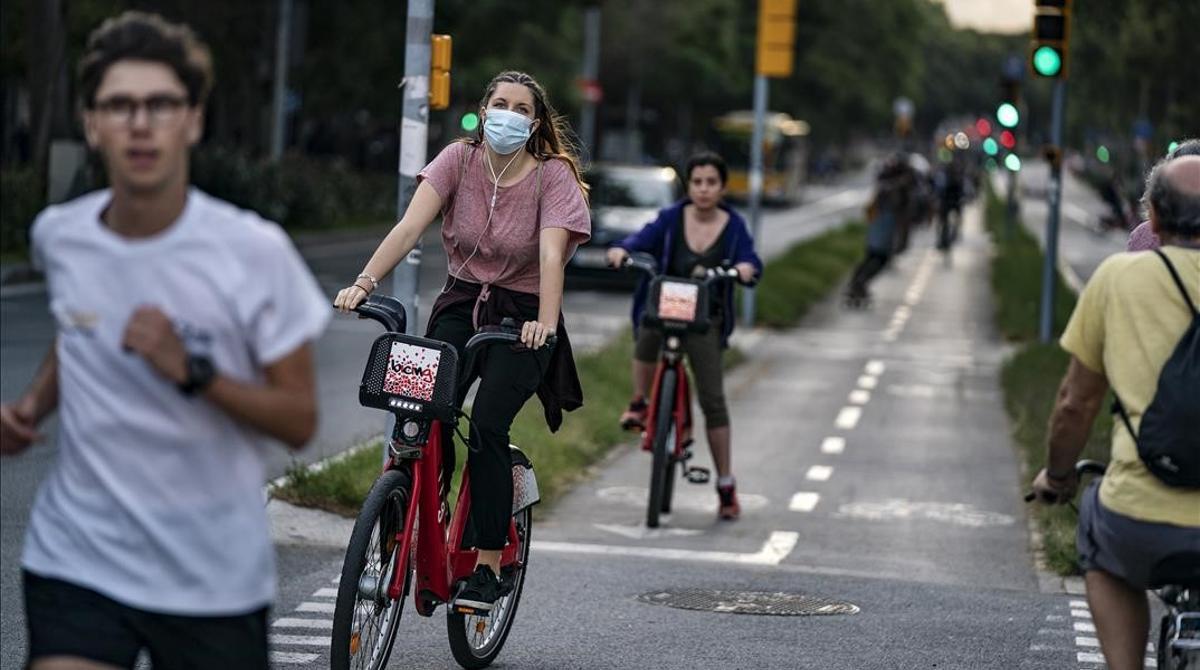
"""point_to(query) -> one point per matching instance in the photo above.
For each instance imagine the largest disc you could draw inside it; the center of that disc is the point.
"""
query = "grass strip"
(803, 275)
(1030, 378)
(793, 282)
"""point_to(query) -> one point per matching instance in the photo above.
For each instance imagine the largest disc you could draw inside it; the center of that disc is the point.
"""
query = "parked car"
(623, 199)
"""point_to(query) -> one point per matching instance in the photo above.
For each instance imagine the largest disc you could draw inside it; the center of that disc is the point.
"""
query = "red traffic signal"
(1008, 140)
(984, 127)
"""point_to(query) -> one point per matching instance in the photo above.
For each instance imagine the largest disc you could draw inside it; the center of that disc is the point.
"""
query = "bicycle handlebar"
(646, 264)
(386, 309)
(1084, 467)
(508, 331)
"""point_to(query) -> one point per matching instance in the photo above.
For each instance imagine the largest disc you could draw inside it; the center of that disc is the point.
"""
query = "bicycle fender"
(525, 486)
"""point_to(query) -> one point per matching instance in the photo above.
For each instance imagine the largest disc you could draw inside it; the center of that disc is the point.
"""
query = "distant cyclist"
(514, 208)
(183, 351)
(1127, 325)
(696, 233)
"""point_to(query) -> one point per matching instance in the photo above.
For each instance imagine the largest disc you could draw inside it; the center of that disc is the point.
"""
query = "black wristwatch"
(200, 373)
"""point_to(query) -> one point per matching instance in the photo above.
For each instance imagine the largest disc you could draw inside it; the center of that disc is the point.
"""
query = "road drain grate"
(748, 602)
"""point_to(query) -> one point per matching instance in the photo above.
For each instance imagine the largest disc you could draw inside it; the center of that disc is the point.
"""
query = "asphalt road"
(875, 469)
(593, 316)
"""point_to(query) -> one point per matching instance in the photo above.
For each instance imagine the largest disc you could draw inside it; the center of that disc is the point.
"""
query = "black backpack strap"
(1119, 409)
(1178, 282)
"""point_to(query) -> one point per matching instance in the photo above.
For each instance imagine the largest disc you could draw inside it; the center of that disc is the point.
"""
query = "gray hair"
(1178, 211)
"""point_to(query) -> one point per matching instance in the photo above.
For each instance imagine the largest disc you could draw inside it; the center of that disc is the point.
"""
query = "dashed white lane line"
(875, 368)
(1079, 604)
(1082, 641)
(320, 608)
(868, 382)
(1084, 627)
(774, 550)
(804, 501)
(819, 473)
(848, 417)
(833, 445)
(1089, 657)
(292, 658)
(859, 397)
(325, 593)
(1081, 614)
(320, 624)
(300, 640)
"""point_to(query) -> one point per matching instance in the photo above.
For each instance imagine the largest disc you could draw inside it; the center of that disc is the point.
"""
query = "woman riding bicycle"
(514, 208)
(697, 233)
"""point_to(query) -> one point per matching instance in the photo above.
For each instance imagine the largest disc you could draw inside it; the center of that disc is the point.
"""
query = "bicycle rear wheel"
(476, 641)
(364, 618)
(661, 448)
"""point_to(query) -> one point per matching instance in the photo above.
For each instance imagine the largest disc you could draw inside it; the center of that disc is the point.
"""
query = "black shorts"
(67, 620)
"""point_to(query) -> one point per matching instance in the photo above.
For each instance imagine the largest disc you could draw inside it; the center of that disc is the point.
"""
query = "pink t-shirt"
(508, 252)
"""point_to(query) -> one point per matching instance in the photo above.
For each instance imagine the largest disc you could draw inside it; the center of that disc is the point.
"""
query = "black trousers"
(870, 266)
(508, 377)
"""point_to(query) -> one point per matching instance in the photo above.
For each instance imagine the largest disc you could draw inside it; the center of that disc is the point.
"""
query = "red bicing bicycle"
(678, 307)
(405, 540)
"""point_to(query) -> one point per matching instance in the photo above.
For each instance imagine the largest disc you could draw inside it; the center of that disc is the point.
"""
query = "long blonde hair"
(553, 138)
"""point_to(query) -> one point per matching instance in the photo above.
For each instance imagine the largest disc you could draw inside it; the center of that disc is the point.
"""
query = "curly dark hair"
(147, 37)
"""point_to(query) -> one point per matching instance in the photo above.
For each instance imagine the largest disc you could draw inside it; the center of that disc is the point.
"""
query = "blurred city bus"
(784, 154)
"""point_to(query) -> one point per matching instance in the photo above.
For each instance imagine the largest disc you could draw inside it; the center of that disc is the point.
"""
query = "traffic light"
(1007, 115)
(990, 147)
(439, 75)
(469, 122)
(1008, 140)
(775, 53)
(1051, 34)
(983, 127)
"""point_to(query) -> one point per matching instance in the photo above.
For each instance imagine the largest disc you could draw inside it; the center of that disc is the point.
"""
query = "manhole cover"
(748, 602)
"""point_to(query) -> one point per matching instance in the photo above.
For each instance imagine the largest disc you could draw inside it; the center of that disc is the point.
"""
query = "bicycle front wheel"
(662, 448)
(476, 641)
(365, 618)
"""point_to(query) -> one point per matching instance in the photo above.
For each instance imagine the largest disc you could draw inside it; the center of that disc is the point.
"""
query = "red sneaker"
(729, 508)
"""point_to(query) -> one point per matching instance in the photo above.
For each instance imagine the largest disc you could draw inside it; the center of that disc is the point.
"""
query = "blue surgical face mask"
(506, 131)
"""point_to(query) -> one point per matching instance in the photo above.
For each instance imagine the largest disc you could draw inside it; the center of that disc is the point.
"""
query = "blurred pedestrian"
(183, 350)
(890, 207)
(1143, 238)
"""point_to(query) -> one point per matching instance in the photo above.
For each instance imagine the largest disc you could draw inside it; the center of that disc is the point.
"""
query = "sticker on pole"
(411, 371)
(677, 301)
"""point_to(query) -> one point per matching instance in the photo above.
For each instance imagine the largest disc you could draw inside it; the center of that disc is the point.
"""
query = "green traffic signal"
(1172, 146)
(1102, 153)
(990, 147)
(1007, 115)
(1047, 61)
(470, 121)
(1012, 162)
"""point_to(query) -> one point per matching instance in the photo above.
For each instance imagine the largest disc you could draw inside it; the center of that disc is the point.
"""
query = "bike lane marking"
(293, 657)
(774, 550)
(833, 445)
(848, 417)
(859, 397)
(819, 473)
(804, 501)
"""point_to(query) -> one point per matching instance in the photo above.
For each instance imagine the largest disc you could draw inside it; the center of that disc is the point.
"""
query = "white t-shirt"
(155, 499)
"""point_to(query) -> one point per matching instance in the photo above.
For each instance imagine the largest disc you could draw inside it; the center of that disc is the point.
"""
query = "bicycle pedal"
(469, 611)
(698, 475)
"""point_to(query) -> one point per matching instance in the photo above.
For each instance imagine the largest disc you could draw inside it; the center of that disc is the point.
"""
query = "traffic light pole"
(1050, 264)
(756, 183)
(414, 133)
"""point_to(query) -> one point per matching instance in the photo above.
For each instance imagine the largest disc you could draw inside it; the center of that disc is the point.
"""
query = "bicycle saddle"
(1182, 569)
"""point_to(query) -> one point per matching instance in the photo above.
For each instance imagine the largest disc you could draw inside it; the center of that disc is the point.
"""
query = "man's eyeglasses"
(161, 110)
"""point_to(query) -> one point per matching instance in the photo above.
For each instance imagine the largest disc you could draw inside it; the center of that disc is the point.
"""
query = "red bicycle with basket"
(678, 307)
(405, 539)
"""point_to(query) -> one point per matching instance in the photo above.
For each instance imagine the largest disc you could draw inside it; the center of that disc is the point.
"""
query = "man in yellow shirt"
(1126, 325)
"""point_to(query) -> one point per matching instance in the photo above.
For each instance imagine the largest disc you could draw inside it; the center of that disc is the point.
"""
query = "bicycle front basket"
(413, 376)
(677, 303)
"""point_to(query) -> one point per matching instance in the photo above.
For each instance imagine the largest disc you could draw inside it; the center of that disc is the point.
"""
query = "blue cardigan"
(658, 239)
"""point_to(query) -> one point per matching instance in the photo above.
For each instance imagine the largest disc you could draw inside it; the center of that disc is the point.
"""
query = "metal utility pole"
(283, 42)
(591, 74)
(773, 57)
(1050, 266)
(756, 181)
(414, 133)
